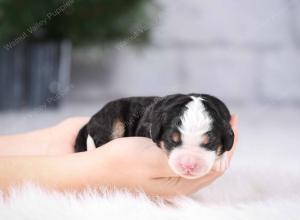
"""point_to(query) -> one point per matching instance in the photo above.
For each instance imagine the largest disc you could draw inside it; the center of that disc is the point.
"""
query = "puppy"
(193, 129)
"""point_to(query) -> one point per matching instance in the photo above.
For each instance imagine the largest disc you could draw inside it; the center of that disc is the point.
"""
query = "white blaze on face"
(190, 160)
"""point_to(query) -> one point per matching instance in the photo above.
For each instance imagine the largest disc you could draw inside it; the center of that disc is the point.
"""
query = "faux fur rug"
(34, 203)
(240, 194)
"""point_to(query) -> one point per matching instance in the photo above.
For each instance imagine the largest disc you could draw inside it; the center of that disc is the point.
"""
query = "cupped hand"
(132, 163)
(137, 163)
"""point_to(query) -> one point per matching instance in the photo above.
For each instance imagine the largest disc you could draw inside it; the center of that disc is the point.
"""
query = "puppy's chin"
(188, 175)
(191, 164)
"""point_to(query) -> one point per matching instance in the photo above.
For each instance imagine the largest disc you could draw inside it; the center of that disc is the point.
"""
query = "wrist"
(32, 143)
(88, 169)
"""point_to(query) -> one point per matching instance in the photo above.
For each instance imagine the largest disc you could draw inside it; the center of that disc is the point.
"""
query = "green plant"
(80, 21)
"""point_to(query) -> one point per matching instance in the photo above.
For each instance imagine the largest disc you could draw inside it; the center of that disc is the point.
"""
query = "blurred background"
(60, 59)
(67, 58)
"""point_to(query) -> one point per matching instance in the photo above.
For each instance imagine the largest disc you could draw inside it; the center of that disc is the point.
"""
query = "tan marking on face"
(219, 149)
(175, 136)
(118, 129)
(205, 139)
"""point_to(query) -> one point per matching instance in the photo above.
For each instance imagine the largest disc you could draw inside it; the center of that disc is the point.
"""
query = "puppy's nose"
(189, 164)
(188, 167)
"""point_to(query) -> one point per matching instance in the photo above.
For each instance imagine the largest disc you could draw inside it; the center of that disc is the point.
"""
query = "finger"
(221, 164)
(224, 163)
(161, 165)
(158, 159)
(151, 158)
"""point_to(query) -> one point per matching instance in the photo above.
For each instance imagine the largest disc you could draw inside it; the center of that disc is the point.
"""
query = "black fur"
(156, 118)
(221, 130)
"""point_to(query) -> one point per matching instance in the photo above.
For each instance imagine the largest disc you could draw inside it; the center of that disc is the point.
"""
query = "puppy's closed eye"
(175, 137)
(205, 139)
(209, 140)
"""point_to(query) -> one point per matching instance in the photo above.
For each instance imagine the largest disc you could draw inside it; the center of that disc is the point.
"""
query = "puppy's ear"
(217, 106)
(156, 127)
(227, 138)
(221, 112)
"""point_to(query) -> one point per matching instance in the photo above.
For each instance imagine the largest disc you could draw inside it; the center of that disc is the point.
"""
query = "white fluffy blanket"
(240, 194)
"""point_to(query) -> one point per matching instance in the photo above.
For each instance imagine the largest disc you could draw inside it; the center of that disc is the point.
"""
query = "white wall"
(243, 51)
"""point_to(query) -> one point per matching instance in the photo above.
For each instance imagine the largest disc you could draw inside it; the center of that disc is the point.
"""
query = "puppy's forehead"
(195, 118)
(195, 121)
(173, 107)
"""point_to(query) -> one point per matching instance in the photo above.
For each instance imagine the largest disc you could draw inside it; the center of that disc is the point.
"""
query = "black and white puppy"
(193, 129)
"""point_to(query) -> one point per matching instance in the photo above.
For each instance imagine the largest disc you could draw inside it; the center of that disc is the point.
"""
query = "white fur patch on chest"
(90, 144)
(196, 121)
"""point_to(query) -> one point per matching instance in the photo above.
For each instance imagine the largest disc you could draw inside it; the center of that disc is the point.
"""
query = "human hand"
(63, 135)
(55, 140)
(137, 163)
(133, 163)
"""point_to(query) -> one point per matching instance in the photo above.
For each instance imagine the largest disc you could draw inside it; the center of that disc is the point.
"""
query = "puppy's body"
(119, 118)
(193, 129)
